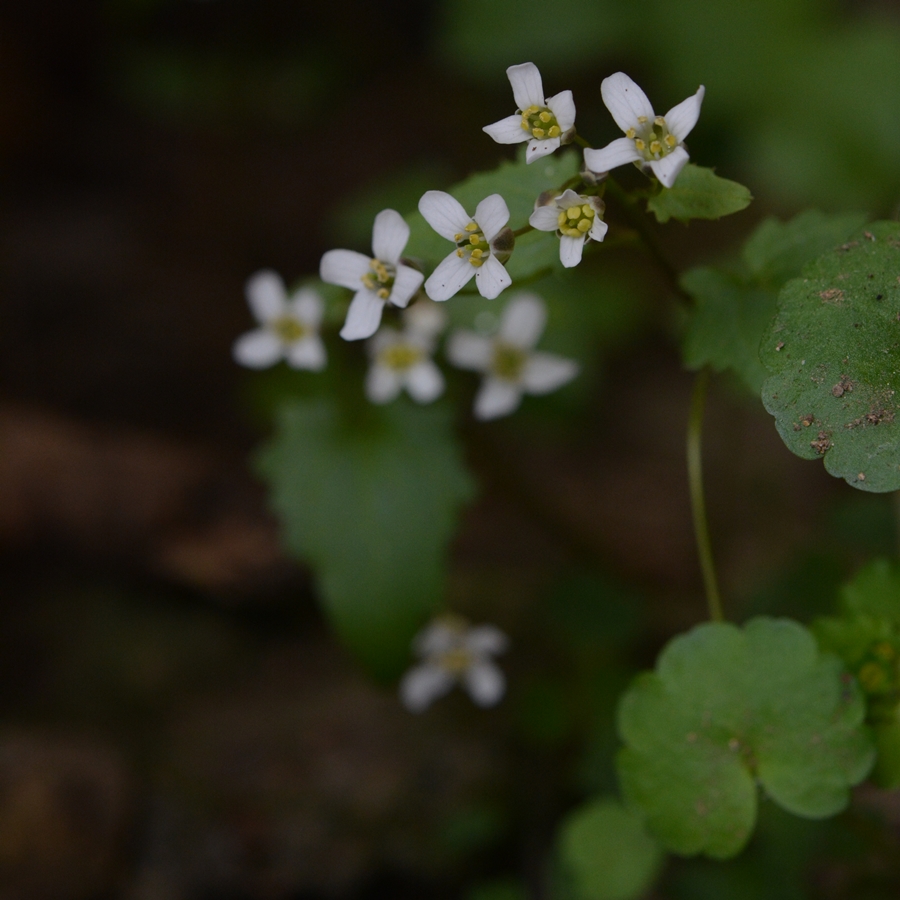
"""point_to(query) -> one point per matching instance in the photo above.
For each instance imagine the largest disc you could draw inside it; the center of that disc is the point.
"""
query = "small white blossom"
(402, 359)
(655, 142)
(475, 253)
(507, 360)
(289, 327)
(426, 317)
(452, 652)
(576, 218)
(378, 280)
(543, 123)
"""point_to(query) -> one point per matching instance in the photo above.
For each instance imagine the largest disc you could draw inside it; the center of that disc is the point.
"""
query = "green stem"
(578, 139)
(698, 504)
(523, 230)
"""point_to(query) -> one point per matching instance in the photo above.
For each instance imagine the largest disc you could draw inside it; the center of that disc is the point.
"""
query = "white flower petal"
(491, 215)
(526, 84)
(306, 305)
(570, 198)
(668, 168)
(545, 218)
(382, 383)
(307, 353)
(508, 130)
(437, 637)
(344, 267)
(570, 250)
(538, 149)
(389, 236)
(468, 350)
(598, 229)
(485, 683)
(484, 639)
(443, 213)
(562, 105)
(266, 295)
(683, 117)
(425, 317)
(363, 316)
(496, 398)
(523, 321)
(492, 278)
(406, 282)
(424, 382)
(625, 100)
(545, 372)
(422, 685)
(258, 349)
(449, 277)
(617, 153)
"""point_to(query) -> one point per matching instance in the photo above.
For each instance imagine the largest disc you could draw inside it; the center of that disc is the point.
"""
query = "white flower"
(426, 317)
(656, 142)
(575, 218)
(453, 652)
(289, 327)
(402, 359)
(510, 366)
(379, 280)
(474, 253)
(541, 122)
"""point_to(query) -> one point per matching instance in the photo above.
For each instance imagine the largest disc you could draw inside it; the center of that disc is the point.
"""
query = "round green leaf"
(730, 708)
(699, 194)
(607, 853)
(833, 352)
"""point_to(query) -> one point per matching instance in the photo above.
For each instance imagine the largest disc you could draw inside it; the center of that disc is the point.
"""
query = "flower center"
(381, 278)
(400, 356)
(652, 141)
(471, 245)
(455, 661)
(508, 362)
(289, 329)
(540, 123)
(576, 221)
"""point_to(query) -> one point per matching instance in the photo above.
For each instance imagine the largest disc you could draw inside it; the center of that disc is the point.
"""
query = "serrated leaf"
(777, 251)
(728, 708)
(519, 184)
(833, 352)
(607, 853)
(726, 323)
(699, 193)
(371, 509)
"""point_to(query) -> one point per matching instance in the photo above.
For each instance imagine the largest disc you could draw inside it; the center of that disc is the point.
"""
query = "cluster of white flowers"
(402, 359)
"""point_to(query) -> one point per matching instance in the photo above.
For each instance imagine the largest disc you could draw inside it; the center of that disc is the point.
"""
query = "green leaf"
(725, 326)
(886, 773)
(833, 352)
(371, 508)
(730, 708)
(875, 592)
(777, 251)
(519, 184)
(606, 852)
(699, 194)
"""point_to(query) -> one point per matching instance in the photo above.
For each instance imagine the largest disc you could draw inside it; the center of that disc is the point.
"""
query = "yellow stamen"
(630, 133)
(477, 254)
(471, 227)
(553, 131)
(659, 120)
(670, 140)
(538, 132)
(545, 117)
(562, 220)
(475, 239)
(459, 253)
(655, 147)
(642, 119)
(574, 212)
(584, 225)
(587, 210)
(639, 144)
(532, 110)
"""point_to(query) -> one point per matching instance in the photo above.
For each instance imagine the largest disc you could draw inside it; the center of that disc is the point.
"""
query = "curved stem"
(698, 504)
(523, 230)
(578, 139)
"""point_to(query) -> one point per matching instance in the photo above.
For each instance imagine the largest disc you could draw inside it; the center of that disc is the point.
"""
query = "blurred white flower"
(377, 281)
(426, 317)
(453, 652)
(576, 218)
(510, 366)
(402, 359)
(542, 123)
(289, 327)
(474, 253)
(656, 142)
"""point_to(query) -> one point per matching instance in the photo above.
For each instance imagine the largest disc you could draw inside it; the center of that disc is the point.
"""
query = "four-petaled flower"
(476, 244)
(377, 281)
(543, 123)
(402, 359)
(575, 218)
(510, 366)
(655, 142)
(289, 327)
(454, 652)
